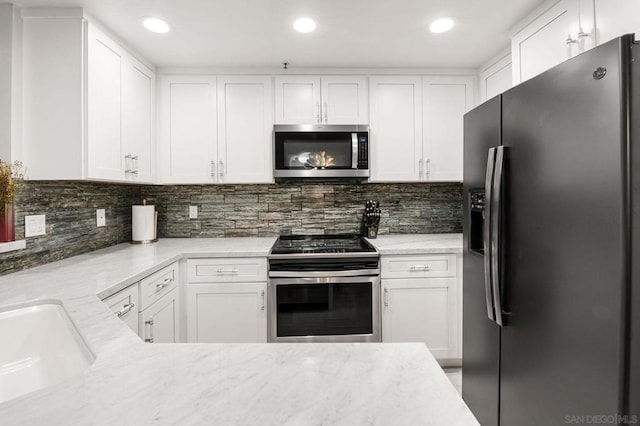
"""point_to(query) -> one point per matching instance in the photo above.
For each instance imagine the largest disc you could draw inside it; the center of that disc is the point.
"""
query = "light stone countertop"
(418, 243)
(134, 383)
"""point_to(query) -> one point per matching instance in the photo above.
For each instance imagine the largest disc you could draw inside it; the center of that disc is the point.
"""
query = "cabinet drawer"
(227, 270)
(125, 305)
(157, 285)
(437, 265)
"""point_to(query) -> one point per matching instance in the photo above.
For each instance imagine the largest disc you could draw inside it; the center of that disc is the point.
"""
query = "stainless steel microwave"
(321, 151)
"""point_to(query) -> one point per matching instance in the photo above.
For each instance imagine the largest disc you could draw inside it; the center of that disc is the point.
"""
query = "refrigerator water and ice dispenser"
(476, 219)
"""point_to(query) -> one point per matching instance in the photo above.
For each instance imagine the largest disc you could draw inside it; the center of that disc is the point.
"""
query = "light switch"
(35, 225)
(100, 217)
(193, 212)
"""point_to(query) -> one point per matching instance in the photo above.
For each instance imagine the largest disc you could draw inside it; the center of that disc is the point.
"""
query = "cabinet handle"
(420, 168)
(326, 115)
(134, 172)
(419, 268)
(125, 309)
(150, 338)
(221, 170)
(570, 40)
(428, 171)
(163, 284)
(262, 295)
(318, 113)
(213, 169)
(133, 157)
(227, 271)
(386, 297)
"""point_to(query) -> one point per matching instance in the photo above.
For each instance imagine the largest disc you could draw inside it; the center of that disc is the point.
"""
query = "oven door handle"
(323, 274)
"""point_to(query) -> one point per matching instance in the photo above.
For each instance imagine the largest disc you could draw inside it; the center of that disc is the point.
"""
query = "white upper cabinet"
(555, 32)
(617, 17)
(101, 130)
(495, 77)
(321, 100)
(395, 132)
(216, 130)
(445, 101)
(245, 125)
(416, 127)
(104, 104)
(188, 129)
(139, 87)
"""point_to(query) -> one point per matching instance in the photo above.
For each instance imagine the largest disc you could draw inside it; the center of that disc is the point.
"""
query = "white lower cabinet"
(226, 300)
(420, 303)
(227, 313)
(159, 322)
(125, 305)
(150, 306)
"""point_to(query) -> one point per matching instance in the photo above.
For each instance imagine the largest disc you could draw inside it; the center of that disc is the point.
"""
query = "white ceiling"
(350, 33)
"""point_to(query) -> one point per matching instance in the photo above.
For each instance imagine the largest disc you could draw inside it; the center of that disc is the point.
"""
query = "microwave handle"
(354, 150)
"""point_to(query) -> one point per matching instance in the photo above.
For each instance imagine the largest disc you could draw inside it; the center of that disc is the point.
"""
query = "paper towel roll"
(143, 223)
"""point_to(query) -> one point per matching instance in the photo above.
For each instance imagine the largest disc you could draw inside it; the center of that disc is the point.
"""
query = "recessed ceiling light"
(441, 25)
(156, 25)
(304, 25)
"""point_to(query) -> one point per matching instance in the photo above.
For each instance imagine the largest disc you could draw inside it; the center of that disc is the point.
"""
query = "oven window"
(324, 309)
(307, 151)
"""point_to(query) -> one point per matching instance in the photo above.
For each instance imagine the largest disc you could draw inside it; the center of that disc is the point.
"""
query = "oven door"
(324, 309)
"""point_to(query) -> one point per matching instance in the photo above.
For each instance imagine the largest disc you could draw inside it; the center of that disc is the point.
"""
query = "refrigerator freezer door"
(563, 349)
(481, 336)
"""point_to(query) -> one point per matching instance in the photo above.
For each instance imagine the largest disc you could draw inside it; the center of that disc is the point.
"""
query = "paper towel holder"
(140, 225)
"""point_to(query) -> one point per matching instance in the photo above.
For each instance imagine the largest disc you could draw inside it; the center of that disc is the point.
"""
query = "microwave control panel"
(363, 151)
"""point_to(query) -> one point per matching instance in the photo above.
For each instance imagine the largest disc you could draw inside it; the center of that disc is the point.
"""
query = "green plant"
(11, 177)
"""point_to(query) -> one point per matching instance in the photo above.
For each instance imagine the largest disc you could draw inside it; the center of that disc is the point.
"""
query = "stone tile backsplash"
(70, 210)
(223, 211)
(304, 208)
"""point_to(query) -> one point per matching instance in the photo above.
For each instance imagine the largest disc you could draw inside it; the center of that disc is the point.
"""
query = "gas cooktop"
(314, 244)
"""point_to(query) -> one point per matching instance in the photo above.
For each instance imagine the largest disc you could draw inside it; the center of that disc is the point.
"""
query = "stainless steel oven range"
(324, 288)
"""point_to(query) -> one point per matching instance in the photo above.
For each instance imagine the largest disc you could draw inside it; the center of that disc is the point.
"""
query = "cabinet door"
(542, 44)
(245, 126)
(159, 321)
(188, 135)
(495, 78)
(125, 305)
(617, 17)
(297, 100)
(446, 100)
(345, 100)
(395, 131)
(226, 313)
(104, 108)
(422, 310)
(138, 121)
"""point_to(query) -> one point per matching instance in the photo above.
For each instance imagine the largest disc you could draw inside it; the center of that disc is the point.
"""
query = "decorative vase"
(7, 225)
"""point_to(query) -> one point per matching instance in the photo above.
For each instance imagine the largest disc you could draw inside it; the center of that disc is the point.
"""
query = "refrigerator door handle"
(496, 232)
(486, 232)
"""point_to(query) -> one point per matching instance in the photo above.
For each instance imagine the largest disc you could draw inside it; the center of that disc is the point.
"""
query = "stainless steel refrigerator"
(551, 300)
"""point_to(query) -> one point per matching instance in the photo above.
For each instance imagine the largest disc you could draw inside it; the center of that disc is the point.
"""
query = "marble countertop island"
(134, 383)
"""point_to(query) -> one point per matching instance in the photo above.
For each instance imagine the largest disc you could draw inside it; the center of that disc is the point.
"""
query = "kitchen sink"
(39, 347)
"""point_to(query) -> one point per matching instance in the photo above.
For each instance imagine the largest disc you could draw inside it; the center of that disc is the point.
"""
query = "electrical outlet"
(35, 225)
(193, 212)
(100, 217)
